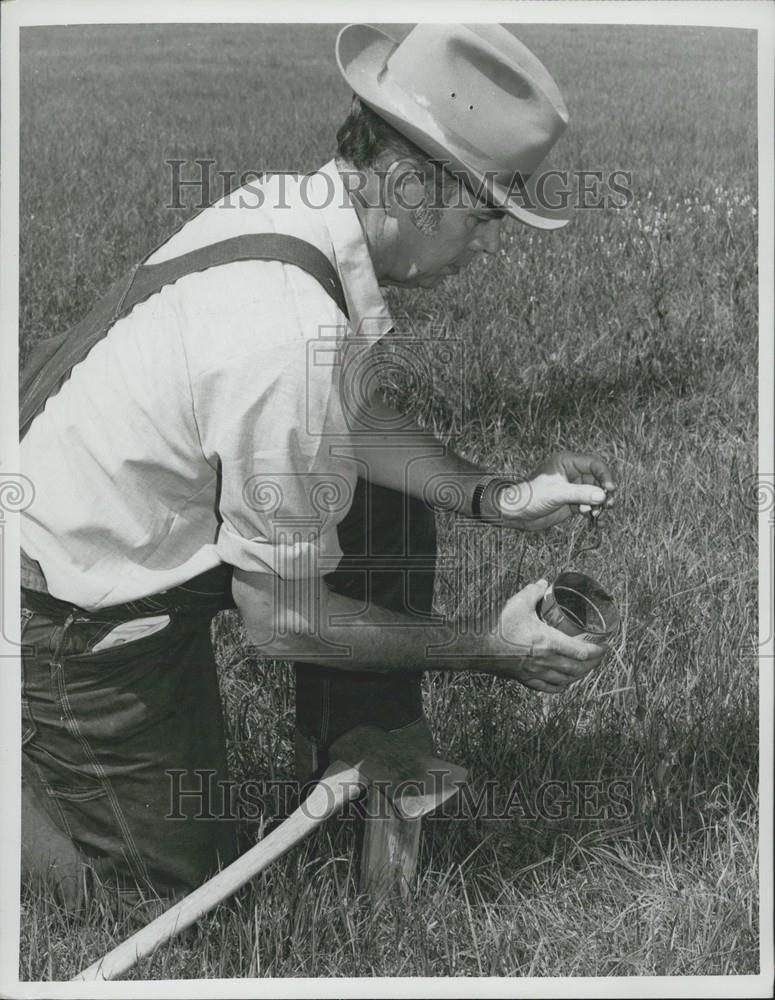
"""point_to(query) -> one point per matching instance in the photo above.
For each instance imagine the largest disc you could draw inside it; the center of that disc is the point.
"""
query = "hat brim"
(361, 52)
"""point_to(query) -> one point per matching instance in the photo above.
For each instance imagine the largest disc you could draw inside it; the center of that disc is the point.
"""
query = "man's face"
(439, 239)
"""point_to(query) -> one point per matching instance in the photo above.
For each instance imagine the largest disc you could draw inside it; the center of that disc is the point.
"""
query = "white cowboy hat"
(471, 96)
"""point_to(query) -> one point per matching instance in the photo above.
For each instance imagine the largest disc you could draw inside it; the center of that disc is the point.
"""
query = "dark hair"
(363, 137)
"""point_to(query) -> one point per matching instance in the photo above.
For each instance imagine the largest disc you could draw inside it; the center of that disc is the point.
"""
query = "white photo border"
(757, 15)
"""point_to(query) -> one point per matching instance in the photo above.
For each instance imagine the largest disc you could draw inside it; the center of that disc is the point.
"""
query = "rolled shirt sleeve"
(270, 417)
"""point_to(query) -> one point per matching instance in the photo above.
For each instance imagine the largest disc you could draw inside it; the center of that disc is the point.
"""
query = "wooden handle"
(338, 785)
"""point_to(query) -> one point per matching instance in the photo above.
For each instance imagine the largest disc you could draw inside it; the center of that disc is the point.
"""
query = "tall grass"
(633, 333)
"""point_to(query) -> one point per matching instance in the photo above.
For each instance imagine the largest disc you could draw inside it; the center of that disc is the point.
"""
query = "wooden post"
(390, 850)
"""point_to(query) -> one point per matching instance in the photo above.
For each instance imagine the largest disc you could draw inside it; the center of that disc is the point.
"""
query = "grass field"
(633, 333)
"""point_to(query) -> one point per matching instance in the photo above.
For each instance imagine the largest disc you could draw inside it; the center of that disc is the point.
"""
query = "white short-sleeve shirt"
(203, 428)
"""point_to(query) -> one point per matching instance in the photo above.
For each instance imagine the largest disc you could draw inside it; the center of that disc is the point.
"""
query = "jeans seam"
(101, 632)
(69, 794)
(26, 616)
(406, 725)
(67, 791)
(28, 723)
(325, 698)
(52, 798)
(134, 859)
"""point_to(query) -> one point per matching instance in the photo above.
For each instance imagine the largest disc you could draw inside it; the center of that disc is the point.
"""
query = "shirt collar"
(369, 314)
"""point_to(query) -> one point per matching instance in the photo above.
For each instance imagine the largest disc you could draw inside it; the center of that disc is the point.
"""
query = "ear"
(403, 188)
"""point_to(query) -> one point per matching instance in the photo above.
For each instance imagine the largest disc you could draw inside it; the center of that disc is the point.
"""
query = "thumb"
(533, 593)
(578, 493)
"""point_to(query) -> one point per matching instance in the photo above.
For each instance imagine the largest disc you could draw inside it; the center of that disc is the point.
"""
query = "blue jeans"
(101, 731)
(104, 727)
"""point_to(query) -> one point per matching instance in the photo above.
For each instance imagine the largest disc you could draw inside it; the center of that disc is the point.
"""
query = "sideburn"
(426, 220)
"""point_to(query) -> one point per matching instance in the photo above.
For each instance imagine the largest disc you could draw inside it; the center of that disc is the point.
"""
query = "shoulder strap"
(50, 364)
(150, 278)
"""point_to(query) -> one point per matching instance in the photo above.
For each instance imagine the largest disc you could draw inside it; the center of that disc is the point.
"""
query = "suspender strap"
(150, 278)
(51, 363)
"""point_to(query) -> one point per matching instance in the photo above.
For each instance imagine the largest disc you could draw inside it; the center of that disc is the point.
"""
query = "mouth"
(461, 264)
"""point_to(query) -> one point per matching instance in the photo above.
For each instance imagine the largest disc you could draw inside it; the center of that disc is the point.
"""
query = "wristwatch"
(483, 497)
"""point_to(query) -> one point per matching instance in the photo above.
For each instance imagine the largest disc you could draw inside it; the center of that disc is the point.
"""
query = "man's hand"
(543, 658)
(555, 490)
(285, 624)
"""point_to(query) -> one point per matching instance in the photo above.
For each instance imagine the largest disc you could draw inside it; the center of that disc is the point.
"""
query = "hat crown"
(472, 95)
(482, 86)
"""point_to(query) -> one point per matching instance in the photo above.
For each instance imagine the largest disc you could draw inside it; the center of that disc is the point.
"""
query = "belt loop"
(56, 656)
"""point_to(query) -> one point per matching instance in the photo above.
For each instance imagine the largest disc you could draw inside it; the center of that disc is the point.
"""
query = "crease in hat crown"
(471, 95)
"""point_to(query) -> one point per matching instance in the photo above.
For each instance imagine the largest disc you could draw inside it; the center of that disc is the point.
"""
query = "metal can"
(577, 605)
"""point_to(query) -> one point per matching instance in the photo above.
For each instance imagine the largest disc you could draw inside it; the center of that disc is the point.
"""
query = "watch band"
(481, 489)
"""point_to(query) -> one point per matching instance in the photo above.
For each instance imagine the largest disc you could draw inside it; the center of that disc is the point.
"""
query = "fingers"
(537, 678)
(551, 682)
(545, 687)
(565, 667)
(584, 464)
(571, 648)
(567, 654)
(602, 474)
(540, 660)
(544, 642)
(587, 469)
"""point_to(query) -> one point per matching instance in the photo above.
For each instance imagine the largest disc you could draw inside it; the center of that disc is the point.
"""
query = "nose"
(488, 237)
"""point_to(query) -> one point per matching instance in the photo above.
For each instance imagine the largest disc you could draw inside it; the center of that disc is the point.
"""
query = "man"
(209, 437)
